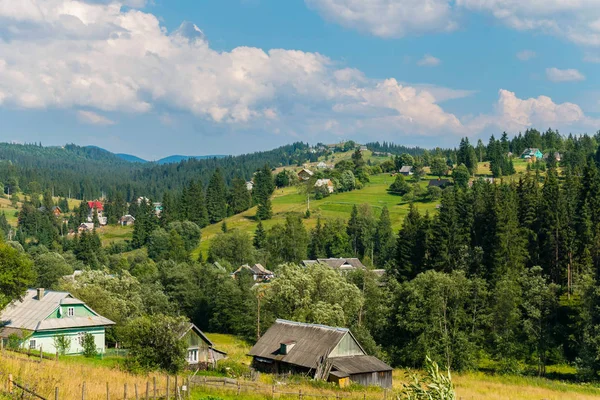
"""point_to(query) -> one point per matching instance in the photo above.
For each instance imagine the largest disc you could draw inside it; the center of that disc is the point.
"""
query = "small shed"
(201, 353)
(324, 352)
(305, 174)
(406, 170)
(127, 220)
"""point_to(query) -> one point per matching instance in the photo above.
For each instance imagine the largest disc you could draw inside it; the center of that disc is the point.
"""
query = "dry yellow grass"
(69, 378)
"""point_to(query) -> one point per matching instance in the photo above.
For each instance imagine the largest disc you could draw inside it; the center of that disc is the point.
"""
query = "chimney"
(40, 293)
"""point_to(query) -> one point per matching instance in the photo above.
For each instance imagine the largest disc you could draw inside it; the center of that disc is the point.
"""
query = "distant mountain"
(179, 158)
(131, 158)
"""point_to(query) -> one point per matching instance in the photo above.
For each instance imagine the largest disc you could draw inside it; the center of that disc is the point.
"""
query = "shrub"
(89, 346)
(62, 344)
(434, 386)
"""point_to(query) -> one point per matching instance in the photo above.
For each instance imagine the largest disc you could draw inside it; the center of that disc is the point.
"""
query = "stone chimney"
(40, 293)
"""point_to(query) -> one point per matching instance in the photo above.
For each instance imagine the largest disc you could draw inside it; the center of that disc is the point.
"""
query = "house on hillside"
(42, 315)
(158, 207)
(531, 153)
(249, 185)
(127, 220)
(406, 170)
(557, 156)
(305, 174)
(324, 352)
(322, 165)
(339, 264)
(98, 207)
(441, 183)
(326, 183)
(201, 353)
(86, 227)
(363, 148)
(259, 273)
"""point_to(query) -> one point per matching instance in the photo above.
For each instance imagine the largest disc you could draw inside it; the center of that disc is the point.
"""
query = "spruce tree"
(216, 198)
(239, 198)
(384, 239)
(317, 245)
(262, 191)
(260, 236)
(353, 229)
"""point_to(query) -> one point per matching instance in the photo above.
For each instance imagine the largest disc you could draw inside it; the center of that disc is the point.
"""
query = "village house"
(201, 352)
(406, 170)
(42, 315)
(85, 227)
(322, 165)
(339, 264)
(323, 352)
(259, 273)
(530, 153)
(249, 185)
(325, 182)
(363, 148)
(98, 207)
(556, 156)
(305, 174)
(127, 220)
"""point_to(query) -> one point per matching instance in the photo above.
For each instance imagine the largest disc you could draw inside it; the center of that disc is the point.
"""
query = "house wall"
(195, 342)
(45, 339)
(80, 311)
(347, 347)
(383, 379)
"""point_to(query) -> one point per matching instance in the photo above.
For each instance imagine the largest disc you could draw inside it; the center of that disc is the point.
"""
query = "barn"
(324, 352)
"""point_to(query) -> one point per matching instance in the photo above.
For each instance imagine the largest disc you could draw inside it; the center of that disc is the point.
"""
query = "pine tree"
(216, 198)
(262, 191)
(384, 239)
(353, 229)
(239, 198)
(260, 236)
(264, 210)
(410, 246)
(317, 245)
(550, 232)
(169, 211)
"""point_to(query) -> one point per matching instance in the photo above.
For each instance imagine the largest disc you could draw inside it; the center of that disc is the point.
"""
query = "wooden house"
(86, 227)
(532, 153)
(326, 183)
(42, 315)
(339, 264)
(258, 272)
(98, 207)
(127, 220)
(305, 174)
(406, 170)
(201, 352)
(324, 352)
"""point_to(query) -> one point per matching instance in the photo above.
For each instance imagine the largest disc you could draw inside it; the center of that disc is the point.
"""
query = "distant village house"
(98, 207)
(305, 174)
(325, 182)
(530, 153)
(127, 220)
(339, 264)
(406, 170)
(258, 272)
(86, 227)
(249, 185)
(323, 352)
(201, 352)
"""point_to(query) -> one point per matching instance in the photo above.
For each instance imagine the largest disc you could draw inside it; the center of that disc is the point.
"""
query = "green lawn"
(114, 233)
(338, 205)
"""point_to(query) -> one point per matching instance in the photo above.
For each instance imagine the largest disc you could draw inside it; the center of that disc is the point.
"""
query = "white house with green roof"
(41, 315)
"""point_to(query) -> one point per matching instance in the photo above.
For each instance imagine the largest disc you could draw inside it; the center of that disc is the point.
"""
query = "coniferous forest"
(503, 275)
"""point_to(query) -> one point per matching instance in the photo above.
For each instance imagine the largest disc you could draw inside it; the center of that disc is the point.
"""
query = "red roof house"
(95, 204)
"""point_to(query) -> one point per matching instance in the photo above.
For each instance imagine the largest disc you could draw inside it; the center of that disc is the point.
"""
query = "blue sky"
(234, 76)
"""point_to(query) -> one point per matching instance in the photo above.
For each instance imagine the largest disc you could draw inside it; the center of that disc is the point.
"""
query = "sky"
(195, 77)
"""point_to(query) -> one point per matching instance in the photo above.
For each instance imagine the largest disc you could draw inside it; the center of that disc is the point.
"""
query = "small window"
(32, 344)
(80, 337)
(192, 356)
(71, 311)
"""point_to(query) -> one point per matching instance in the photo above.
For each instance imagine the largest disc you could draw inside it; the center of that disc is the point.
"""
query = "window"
(192, 356)
(80, 337)
(71, 311)
(32, 344)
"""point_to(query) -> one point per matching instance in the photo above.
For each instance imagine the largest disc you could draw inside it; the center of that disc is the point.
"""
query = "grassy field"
(114, 233)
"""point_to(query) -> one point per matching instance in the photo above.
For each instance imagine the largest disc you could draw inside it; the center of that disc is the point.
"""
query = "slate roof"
(337, 263)
(313, 342)
(407, 169)
(359, 364)
(30, 313)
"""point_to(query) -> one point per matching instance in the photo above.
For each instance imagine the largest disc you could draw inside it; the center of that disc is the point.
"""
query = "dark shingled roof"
(359, 364)
(313, 342)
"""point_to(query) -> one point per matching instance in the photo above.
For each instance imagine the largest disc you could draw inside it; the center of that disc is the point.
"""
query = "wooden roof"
(359, 364)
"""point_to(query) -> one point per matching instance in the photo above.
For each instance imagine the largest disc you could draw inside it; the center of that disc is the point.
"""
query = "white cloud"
(90, 117)
(564, 75)
(100, 56)
(514, 115)
(526, 55)
(388, 18)
(429, 61)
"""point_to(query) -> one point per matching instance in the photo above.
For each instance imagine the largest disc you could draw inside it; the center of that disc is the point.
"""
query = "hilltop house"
(531, 153)
(340, 264)
(305, 174)
(42, 315)
(324, 352)
(406, 170)
(259, 273)
(325, 182)
(201, 353)
(97, 206)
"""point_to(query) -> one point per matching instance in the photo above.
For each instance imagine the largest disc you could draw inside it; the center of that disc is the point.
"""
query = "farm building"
(201, 353)
(406, 170)
(259, 273)
(305, 174)
(340, 264)
(326, 183)
(324, 352)
(531, 153)
(43, 315)
(127, 220)
(322, 165)
(86, 227)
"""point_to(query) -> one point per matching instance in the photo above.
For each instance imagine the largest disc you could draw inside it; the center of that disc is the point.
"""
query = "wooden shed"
(324, 352)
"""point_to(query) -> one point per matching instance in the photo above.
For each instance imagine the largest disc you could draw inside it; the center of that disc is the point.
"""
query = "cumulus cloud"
(101, 56)
(90, 117)
(514, 114)
(564, 75)
(429, 61)
(578, 20)
(388, 18)
(526, 55)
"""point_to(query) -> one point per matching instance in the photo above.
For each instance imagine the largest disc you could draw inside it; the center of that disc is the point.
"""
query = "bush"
(434, 386)
(89, 346)
(62, 344)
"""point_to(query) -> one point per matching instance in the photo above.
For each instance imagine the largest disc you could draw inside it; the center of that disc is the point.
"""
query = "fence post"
(176, 387)
(147, 390)
(168, 384)
(41, 354)
(154, 396)
(239, 388)
(273, 391)
(384, 394)
(300, 394)
(107, 392)
(136, 392)
(83, 391)
(56, 355)
(124, 391)
(10, 383)
(56, 393)
(189, 389)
